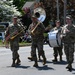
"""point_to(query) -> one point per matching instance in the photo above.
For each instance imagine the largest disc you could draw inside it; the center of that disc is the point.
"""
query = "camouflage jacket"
(38, 32)
(68, 37)
(57, 28)
(11, 31)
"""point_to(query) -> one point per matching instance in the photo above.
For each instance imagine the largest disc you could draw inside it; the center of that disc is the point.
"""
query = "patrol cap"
(57, 21)
(14, 16)
(68, 17)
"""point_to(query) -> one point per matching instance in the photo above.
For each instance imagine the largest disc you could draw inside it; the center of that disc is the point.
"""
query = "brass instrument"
(16, 33)
(22, 28)
(8, 37)
(32, 32)
(41, 15)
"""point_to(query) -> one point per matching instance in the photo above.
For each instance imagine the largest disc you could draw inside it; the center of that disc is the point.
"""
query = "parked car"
(2, 36)
(28, 38)
(3, 26)
(5, 23)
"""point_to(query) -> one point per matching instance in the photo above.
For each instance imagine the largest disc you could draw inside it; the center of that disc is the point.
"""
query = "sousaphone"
(40, 14)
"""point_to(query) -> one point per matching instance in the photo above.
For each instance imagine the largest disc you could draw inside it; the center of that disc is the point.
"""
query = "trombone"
(22, 30)
(15, 33)
(32, 31)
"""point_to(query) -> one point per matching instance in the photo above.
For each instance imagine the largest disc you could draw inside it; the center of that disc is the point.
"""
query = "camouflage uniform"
(68, 40)
(57, 50)
(37, 41)
(14, 44)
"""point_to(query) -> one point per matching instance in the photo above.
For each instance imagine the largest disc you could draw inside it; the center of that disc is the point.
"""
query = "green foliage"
(24, 44)
(45, 34)
(21, 44)
(20, 3)
(7, 10)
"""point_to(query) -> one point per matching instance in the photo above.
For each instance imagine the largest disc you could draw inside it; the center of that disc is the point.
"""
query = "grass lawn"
(24, 44)
(21, 44)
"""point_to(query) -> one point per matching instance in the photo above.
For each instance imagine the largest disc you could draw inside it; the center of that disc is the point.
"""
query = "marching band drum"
(54, 38)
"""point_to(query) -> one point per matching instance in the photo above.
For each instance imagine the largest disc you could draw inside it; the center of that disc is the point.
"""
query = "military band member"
(11, 31)
(37, 40)
(57, 50)
(26, 18)
(68, 38)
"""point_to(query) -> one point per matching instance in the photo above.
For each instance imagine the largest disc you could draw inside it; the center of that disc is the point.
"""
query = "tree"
(51, 10)
(19, 4)
(7, 10)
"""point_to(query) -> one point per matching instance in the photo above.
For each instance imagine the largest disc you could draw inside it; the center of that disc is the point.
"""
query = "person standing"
(68, 38)
(26, 18)
(36, 30)
(57, 50)
(11, 31)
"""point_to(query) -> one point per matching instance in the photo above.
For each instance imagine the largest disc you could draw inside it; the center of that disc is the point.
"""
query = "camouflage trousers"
(57, 50)
(14, 48)
(15, 54)
(69, 52)
(39, 45)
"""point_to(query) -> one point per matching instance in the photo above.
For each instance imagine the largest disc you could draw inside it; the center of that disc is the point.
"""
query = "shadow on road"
(46, 61)
(61, 63)
(20, 66)
(73, 69)
(44, 68)
(73, 73)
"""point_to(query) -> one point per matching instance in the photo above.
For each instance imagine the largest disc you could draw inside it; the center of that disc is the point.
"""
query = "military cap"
(68, 17)
(57, 21)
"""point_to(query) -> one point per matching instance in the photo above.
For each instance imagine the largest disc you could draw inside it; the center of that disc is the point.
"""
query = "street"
(26, 67)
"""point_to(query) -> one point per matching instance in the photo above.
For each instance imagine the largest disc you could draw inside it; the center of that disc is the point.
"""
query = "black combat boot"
(44, 58)
(69, 67)
(55, 59)
(13, 63)
(30, 58)
(35, 64)
(44, 61)
(18, 61)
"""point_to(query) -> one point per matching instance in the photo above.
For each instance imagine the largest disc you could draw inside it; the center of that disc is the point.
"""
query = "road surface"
(26, 67)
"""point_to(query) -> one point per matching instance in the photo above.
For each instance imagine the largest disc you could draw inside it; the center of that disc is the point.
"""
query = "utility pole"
(65, 4)
(57, 9)
(37, 0)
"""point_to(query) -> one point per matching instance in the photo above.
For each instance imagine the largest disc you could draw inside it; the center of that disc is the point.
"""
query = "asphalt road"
(26, 67)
